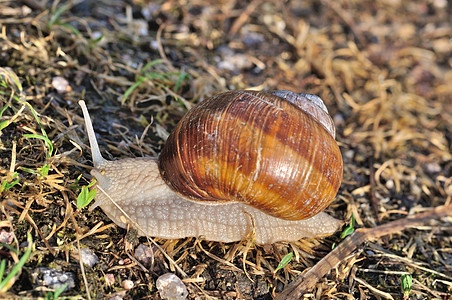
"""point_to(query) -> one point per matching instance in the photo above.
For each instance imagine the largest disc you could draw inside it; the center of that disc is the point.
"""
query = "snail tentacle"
(95, 151)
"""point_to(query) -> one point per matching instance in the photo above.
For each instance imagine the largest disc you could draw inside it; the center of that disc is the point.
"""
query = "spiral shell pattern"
(263, 149)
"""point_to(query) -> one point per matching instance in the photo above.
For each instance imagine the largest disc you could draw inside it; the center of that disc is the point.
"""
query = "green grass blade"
(180, 80)
(284, 261)
(151, 63)
(8, 74)
(35, 114)
(350, 228)
(130, 90)
(85, 197)
(2, 268)
(59, 291)
(10, 248)
(4, 284)
(44, 134)
(56, 16)
(71, 28)
(46, 140)
(3, 110)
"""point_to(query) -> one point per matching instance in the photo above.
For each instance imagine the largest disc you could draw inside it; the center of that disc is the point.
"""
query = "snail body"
(237, 161)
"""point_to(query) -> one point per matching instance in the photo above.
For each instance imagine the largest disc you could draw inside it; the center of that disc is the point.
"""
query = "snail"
(239, 161)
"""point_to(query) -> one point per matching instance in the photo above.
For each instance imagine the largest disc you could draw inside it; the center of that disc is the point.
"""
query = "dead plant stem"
(306, 282)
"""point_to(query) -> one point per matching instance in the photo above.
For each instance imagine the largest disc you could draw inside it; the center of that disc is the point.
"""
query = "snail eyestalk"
(95, 152)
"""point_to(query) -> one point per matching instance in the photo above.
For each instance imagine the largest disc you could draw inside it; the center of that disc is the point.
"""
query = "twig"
(160, 47)
(305, 282)
(244, 16)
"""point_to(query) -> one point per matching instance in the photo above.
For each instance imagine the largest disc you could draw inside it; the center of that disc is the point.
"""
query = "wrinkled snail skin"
(137, 187)
(140, 186)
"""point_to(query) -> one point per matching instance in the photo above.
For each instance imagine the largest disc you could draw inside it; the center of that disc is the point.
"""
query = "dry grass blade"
(374, 290)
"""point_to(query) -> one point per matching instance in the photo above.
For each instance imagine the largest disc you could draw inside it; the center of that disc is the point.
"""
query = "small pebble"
(6, 237)
(127, 284)
(149, 10)
(339, 119)
(54, 279)
(88, 257)
(96, 35)
(433, 167)
(109, 279)
(236, 62)
(144, 254)
(253, 39)
(139, 27)
(171, 287)
(390, 184)
(123, 262)
(232, 61)
(349, 154)
(61, 85)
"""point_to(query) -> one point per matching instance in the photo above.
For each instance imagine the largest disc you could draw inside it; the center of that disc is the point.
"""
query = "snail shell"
(260, 148)
(238, 161)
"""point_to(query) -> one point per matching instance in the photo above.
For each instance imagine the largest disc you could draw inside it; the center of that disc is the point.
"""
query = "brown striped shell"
(273, 150)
